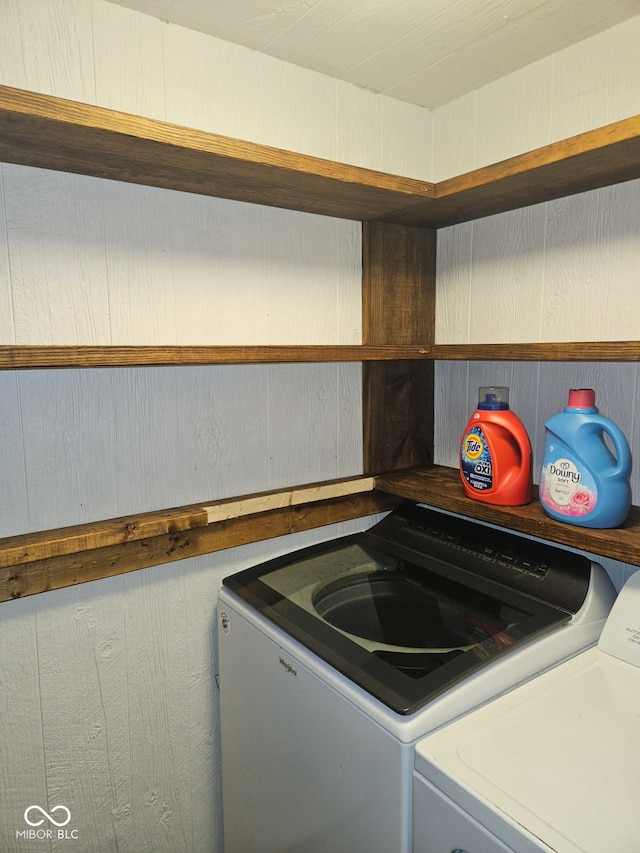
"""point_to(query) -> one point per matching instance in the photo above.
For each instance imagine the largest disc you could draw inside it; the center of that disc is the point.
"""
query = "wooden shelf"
(401, 215)
(14, 357)
(598, 158)
(53, 133)
(44, 357)
(441, 488)
(52, 559)
(574, 351)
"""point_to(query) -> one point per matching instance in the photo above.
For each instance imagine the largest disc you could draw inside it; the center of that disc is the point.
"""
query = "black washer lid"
(550, 574)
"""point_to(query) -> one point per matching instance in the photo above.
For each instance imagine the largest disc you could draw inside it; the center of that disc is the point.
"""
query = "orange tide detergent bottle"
(495, 452)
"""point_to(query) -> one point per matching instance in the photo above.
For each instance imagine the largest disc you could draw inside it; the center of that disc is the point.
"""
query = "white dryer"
(336, 660)
(552, 766)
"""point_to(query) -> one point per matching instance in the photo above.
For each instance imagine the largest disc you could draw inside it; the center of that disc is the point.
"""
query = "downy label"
(565, 489)
(475, 460)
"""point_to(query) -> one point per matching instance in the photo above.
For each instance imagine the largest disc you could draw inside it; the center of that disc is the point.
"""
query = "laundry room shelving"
(400, 219)
(441, 487)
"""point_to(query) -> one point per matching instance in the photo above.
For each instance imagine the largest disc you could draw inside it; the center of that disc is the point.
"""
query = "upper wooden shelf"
(53, 133)
(441, 487)
(598, 158)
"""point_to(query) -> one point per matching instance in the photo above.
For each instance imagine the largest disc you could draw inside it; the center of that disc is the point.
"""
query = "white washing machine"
(551, 766)
(336, 660)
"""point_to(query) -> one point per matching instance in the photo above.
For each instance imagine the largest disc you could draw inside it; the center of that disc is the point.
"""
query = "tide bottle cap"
(582, 398)
(493, 397)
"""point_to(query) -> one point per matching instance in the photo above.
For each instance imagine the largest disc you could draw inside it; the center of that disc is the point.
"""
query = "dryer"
(337, 659)
(551, 767)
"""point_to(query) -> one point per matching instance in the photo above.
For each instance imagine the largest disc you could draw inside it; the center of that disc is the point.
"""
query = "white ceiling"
(427, 52)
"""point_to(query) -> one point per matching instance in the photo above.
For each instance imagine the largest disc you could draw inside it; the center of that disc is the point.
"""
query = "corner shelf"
(400, 217)
(54, 133)
(441, 488)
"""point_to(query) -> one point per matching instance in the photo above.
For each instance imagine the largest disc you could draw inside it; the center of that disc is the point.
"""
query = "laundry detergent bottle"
(495, 452)
(582, 482)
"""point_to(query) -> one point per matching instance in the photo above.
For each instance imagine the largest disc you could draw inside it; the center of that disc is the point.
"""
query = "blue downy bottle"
(582, 482)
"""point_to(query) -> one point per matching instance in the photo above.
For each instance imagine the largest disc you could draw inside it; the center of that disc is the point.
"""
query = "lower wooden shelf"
(441, 488)
(32, 563)
(38, 562)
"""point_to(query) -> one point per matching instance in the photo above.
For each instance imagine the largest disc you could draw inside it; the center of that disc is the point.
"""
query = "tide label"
(475, 460)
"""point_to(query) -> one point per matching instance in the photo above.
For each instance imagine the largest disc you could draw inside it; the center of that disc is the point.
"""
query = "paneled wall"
(588, 85)
(565, 270)
(108, 701)
(92, 261)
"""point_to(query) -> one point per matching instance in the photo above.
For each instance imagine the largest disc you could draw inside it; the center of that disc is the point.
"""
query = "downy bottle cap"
(582, 398)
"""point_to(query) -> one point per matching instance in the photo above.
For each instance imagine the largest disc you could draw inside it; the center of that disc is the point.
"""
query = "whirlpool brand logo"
(287, 666)
(41, 823)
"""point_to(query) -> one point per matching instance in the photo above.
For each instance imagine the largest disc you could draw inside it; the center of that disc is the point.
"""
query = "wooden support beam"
(398, 304)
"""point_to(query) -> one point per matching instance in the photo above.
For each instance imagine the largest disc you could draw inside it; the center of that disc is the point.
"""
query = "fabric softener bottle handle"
(582, 401)
(623, 453)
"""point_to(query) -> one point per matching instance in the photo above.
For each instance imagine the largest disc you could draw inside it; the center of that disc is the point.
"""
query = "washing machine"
(334, 661)
(551, 767)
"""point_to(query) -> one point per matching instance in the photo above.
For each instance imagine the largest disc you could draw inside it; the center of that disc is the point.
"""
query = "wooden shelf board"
(570, 351)
(601, 157)
(441, 488)
(54, 133)
(14, 357)
(39, 562)
(44, 357)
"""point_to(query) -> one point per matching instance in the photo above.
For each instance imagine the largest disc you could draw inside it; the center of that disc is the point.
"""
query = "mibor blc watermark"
(43, 825)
